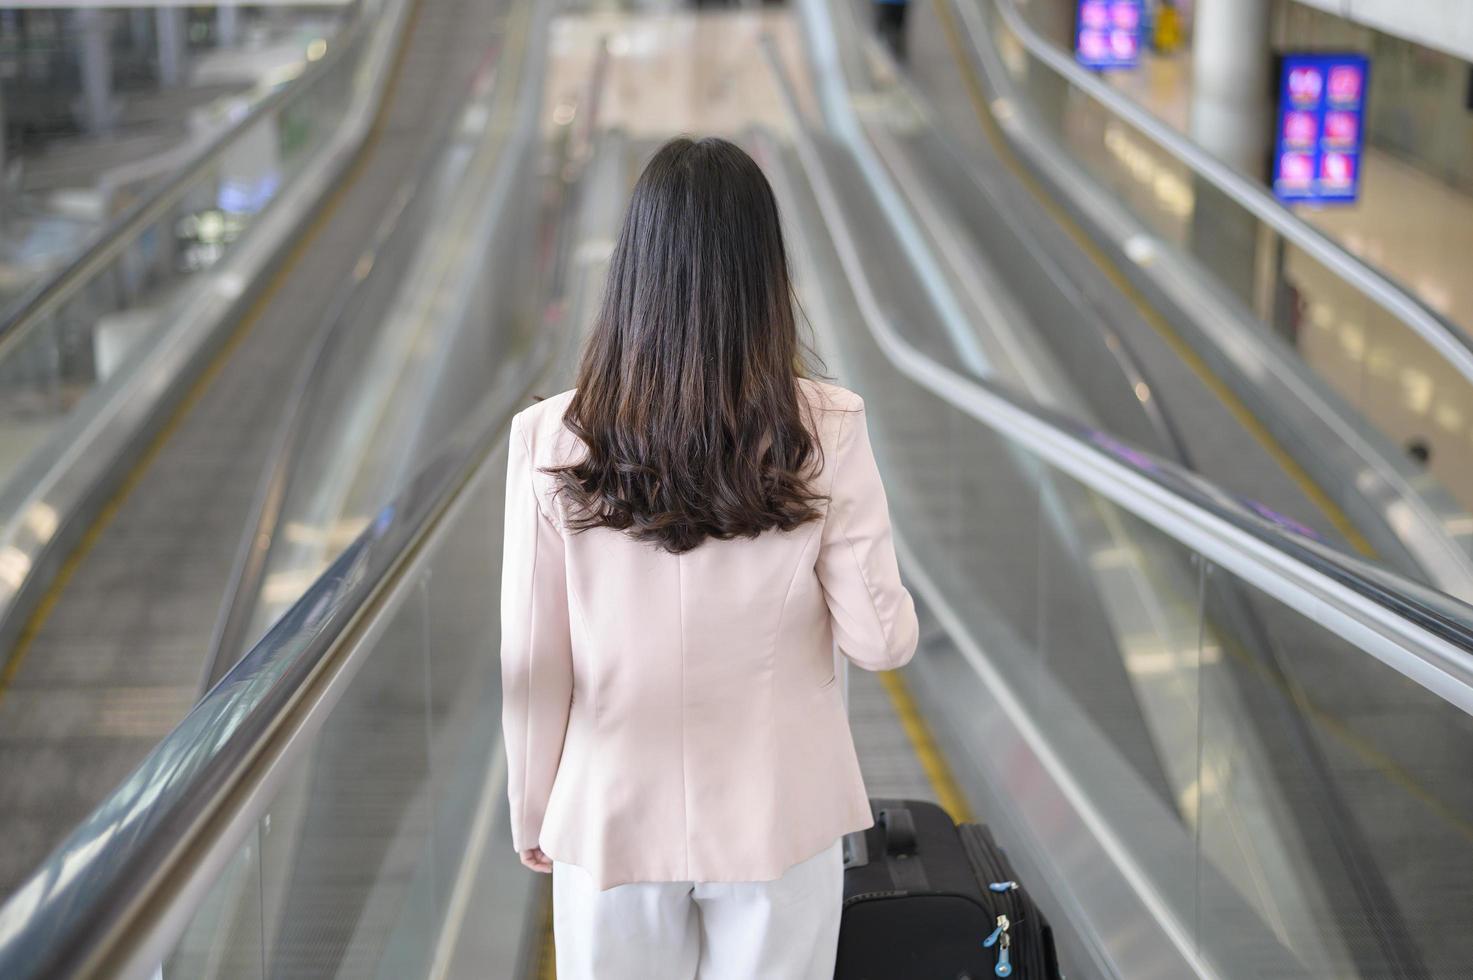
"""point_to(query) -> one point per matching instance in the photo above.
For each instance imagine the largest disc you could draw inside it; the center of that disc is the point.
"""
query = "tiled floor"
(675, 73)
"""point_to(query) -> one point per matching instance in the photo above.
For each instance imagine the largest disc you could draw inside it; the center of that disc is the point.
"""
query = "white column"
(227, 25)
(1231, 106)
(4, 201)
(169, 21)
(1231, 118)
(1046, 90)
(1054, 20)
(94, 25)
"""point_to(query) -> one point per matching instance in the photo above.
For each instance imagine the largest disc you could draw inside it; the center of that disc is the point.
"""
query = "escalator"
(1214, 743)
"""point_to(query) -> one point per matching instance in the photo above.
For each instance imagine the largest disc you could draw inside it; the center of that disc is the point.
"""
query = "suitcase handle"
(899, 830)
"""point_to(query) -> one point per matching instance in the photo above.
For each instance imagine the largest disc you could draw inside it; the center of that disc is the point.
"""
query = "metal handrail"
(1119, 351)
(1445, 338)
(1419, 632)
(228, 638)
(112, 866)
(44, 297)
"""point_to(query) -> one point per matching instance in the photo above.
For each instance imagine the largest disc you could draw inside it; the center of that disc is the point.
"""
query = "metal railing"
(117, 896)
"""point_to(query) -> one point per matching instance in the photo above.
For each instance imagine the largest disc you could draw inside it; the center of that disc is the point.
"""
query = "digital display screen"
(1108, 33)
(1317, 148)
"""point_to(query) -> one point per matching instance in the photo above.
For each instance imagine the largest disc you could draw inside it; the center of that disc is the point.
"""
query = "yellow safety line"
(1386, 765)
(547, 958)
(109, 511)
(948, 793)
(1235, 405)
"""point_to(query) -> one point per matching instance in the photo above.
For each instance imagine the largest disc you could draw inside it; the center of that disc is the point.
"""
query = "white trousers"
(786, 929)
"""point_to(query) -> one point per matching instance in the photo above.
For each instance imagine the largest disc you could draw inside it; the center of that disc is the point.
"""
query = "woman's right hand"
(533, 858)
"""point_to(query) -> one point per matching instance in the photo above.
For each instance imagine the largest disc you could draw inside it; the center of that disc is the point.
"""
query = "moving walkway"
(1214, 744)
(147, 389)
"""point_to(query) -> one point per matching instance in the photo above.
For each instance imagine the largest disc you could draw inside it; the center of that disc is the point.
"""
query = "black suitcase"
(925, 899)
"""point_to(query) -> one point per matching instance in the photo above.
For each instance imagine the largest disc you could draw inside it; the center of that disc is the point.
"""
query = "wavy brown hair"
(687, 398)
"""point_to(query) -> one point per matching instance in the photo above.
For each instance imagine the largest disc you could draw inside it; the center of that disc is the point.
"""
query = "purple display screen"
(1108, 33)
(1317, 149)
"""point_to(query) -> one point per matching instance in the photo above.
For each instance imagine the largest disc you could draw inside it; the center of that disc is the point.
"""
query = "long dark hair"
(687, 397)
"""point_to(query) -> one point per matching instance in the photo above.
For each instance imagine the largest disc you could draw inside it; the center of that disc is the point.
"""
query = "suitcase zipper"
(866, 896)
(1007, 902)
(1002, 938)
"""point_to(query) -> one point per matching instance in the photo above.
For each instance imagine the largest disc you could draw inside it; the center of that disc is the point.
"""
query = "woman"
(689, 535)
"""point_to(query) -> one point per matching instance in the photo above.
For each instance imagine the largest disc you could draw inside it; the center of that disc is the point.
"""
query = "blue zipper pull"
(1004, 966)
(1003, 886)
(1000, 931)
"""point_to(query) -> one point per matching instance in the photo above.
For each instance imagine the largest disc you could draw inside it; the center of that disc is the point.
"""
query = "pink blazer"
(677, 717)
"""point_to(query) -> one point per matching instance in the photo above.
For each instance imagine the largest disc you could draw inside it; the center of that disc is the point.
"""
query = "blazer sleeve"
(874, 618)
(536, 646)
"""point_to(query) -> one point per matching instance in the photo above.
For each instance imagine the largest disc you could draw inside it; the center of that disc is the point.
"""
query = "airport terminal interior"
(1162, 314)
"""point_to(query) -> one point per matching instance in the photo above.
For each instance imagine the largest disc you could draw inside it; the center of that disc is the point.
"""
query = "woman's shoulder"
(546, 413)
(541, 423)
(834, 415)
(825, 397)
